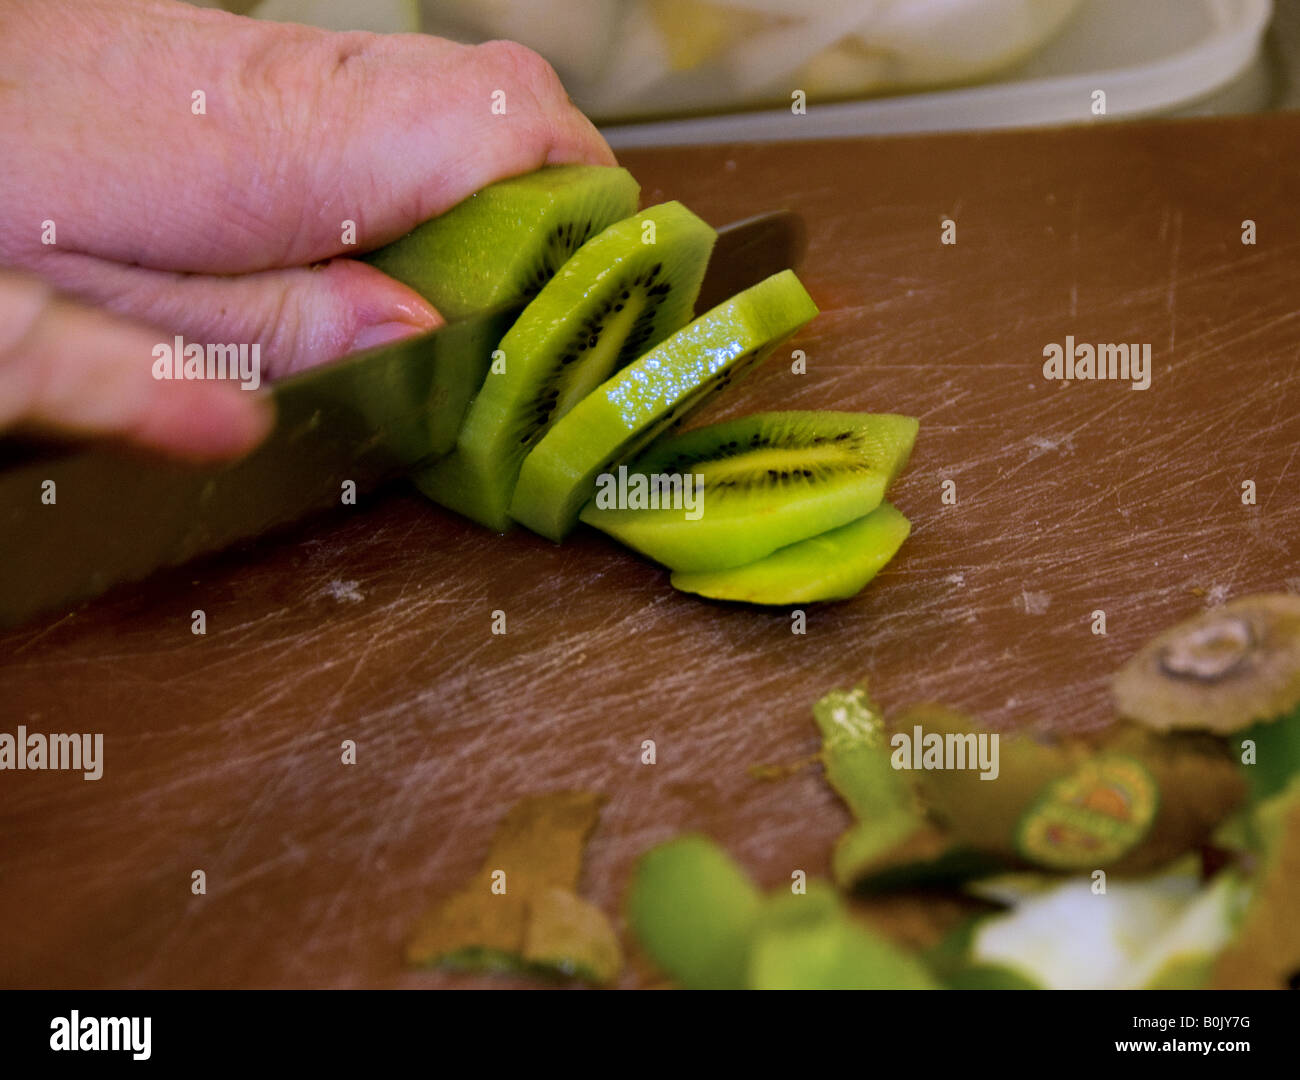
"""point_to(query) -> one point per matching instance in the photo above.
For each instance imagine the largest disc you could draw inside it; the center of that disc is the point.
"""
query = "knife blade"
(73, 523)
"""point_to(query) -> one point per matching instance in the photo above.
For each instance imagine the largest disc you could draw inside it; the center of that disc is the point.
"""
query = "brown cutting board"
(222, 752)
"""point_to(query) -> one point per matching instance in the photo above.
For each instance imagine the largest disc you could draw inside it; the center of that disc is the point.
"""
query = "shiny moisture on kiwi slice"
(768, 481)
(506, 242)
(1218, 671)
(833, 565)
(618, 296)
(631, 409)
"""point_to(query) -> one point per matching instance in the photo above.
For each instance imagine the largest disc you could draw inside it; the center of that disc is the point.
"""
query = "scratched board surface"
(222, 752)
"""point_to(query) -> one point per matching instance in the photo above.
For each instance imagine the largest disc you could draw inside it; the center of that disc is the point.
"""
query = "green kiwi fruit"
(694, 910)
(618, 296)
(500, 245)
(630, 410)
(764, 482)
(833, 565)
(505, 242)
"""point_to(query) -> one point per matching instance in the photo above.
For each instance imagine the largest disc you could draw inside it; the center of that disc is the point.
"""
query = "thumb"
(299, 317)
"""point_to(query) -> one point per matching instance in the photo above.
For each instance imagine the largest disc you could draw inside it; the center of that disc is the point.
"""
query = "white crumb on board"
(344, 591)
(1041, 445)
(1035, 603)
(1217, 595)
(956, 579)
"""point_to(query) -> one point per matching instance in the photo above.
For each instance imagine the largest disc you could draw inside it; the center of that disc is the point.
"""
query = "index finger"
(300, 131)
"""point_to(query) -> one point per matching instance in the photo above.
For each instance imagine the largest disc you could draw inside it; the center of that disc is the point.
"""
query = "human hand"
(228, 224)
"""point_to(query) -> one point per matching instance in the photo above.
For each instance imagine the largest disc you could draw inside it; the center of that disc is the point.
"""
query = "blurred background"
(680, 71)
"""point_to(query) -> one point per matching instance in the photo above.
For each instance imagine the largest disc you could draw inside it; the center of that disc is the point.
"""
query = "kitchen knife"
(75, 522)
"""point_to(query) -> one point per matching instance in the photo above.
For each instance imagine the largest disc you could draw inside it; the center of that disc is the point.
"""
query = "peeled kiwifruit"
(1219, 671)
(661, 388)
(831, 566)
(500, 245)
(618, 296)
(505, 242)
(766, 481)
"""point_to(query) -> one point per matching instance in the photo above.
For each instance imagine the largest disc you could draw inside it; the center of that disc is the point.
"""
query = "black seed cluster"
(638, 337)
(762, 440)
(586, 336)
(562, 242)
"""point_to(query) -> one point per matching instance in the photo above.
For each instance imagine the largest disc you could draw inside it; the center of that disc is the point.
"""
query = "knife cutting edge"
(117, 515)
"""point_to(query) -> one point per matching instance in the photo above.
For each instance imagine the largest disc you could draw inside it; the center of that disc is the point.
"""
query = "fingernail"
(371, 337)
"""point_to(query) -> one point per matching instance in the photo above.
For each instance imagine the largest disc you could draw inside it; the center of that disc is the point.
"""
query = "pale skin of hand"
(228, 226)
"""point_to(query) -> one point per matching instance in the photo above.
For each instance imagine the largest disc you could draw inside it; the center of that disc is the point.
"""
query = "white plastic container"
(1147, 57)
(625, 57)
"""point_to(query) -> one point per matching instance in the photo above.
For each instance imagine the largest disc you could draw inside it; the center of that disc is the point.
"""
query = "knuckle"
(281, 75)
(296, 83)
(524, 69)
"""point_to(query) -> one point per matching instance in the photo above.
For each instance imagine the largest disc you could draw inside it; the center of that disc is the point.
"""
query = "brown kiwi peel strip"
(967, 827)
(539, 922)
(1200, 785)
(1196, 784)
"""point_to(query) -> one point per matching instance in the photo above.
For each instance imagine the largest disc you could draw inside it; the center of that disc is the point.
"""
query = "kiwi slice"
(618, 296)
(499, 245)
(505, 242)
(832, 566)
(765, 481)
(634, 407)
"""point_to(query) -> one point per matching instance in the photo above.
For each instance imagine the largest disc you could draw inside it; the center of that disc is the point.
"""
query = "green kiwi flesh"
(615, 298)
(505, 242)
(627, 412)
(454, 484)
(500, 245)
(693, 910)
(763, 482)
(832, 566)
